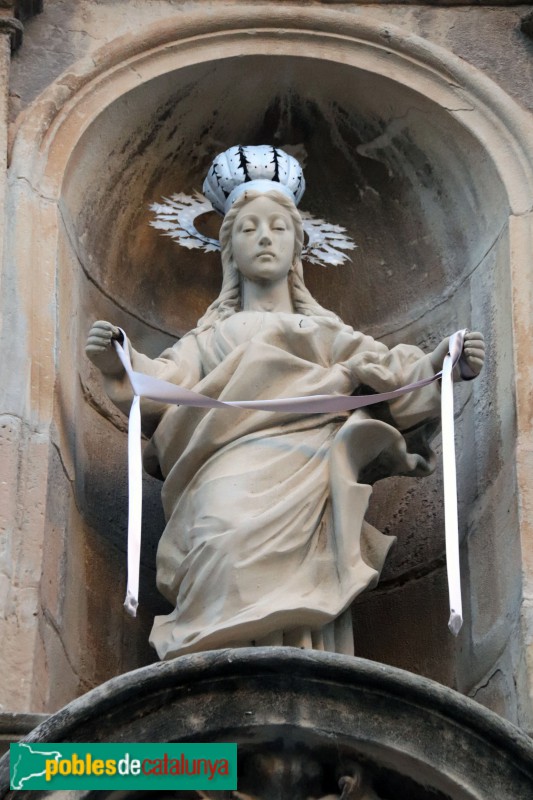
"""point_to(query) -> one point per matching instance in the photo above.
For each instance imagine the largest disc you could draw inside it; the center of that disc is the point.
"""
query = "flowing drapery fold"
(265, 536)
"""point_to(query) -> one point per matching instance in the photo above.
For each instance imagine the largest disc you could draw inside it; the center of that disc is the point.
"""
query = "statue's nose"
(265, 239)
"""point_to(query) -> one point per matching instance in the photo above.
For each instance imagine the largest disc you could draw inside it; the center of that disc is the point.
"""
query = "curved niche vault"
(425, 203)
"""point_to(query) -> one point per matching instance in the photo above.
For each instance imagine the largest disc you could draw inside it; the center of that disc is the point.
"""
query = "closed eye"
(278, 224)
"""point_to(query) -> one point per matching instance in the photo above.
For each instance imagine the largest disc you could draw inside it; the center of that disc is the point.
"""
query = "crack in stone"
(137, 73)
(86, 33)
(35, 191)
(71, 481)
(468, 108)
(47, 615)
(484, 685)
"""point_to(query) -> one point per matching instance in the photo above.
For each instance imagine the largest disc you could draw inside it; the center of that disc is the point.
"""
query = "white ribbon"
(165, 392)
(135, 501)
(451, 524)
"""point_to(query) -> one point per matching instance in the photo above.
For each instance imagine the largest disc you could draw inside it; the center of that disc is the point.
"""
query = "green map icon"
(125, 765)
(28, 763)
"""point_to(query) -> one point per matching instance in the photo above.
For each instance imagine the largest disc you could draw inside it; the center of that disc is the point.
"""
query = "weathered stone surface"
(67, 32)
(526, 26)
(431, 156)
(14, 726)
(13, 13)
(300, 719)
(21, 457)
(447, 3)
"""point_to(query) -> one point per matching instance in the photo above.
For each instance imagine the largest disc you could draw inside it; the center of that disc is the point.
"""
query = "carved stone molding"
(526, 26)
(308, 725)
(14, 726)
(23, 9)
(15, 29)
(13, 13)
(436, 3)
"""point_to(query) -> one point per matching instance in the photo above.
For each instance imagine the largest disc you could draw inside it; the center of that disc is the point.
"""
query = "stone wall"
(424, 116)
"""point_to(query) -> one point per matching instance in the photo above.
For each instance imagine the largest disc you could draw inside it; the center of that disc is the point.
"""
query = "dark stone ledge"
(23, 9)
(15, 12)
(438, 3)
(304, 720)
(526, 25)
(14, 726)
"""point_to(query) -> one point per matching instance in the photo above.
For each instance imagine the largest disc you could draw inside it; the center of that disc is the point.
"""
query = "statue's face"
(263, 241)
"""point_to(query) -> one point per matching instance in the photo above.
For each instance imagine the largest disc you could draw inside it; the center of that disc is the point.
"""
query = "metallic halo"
(176, 218)
(241, 168)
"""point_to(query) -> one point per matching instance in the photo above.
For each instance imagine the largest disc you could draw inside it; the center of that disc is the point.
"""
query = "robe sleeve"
(373, 366)
(180, 364)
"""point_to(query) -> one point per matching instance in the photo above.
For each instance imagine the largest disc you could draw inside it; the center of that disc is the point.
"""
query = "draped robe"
(265, 540)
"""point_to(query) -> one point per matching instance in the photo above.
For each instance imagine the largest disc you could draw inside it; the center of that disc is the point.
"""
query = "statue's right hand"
(99, 347)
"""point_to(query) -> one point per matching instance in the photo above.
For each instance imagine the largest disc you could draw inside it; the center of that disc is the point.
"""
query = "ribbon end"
(456, 622)
(131, 604)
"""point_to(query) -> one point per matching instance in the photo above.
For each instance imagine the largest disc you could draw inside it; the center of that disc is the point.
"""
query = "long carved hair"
(229, 300)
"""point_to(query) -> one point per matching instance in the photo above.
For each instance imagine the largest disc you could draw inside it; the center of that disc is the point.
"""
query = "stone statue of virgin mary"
(265, 540)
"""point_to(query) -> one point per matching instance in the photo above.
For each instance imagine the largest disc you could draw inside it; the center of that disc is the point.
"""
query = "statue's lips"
(266, 253)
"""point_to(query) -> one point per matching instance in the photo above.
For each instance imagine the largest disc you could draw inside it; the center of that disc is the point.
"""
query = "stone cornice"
(437, 3)
(14, 28)
(13, 13)
(526, 26)
(22, 9)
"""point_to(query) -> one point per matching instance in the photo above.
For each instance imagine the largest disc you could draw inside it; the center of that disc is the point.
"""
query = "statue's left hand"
(473, 357)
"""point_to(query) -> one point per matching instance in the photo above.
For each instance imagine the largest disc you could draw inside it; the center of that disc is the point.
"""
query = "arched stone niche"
(302, 721)
(420, 157)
